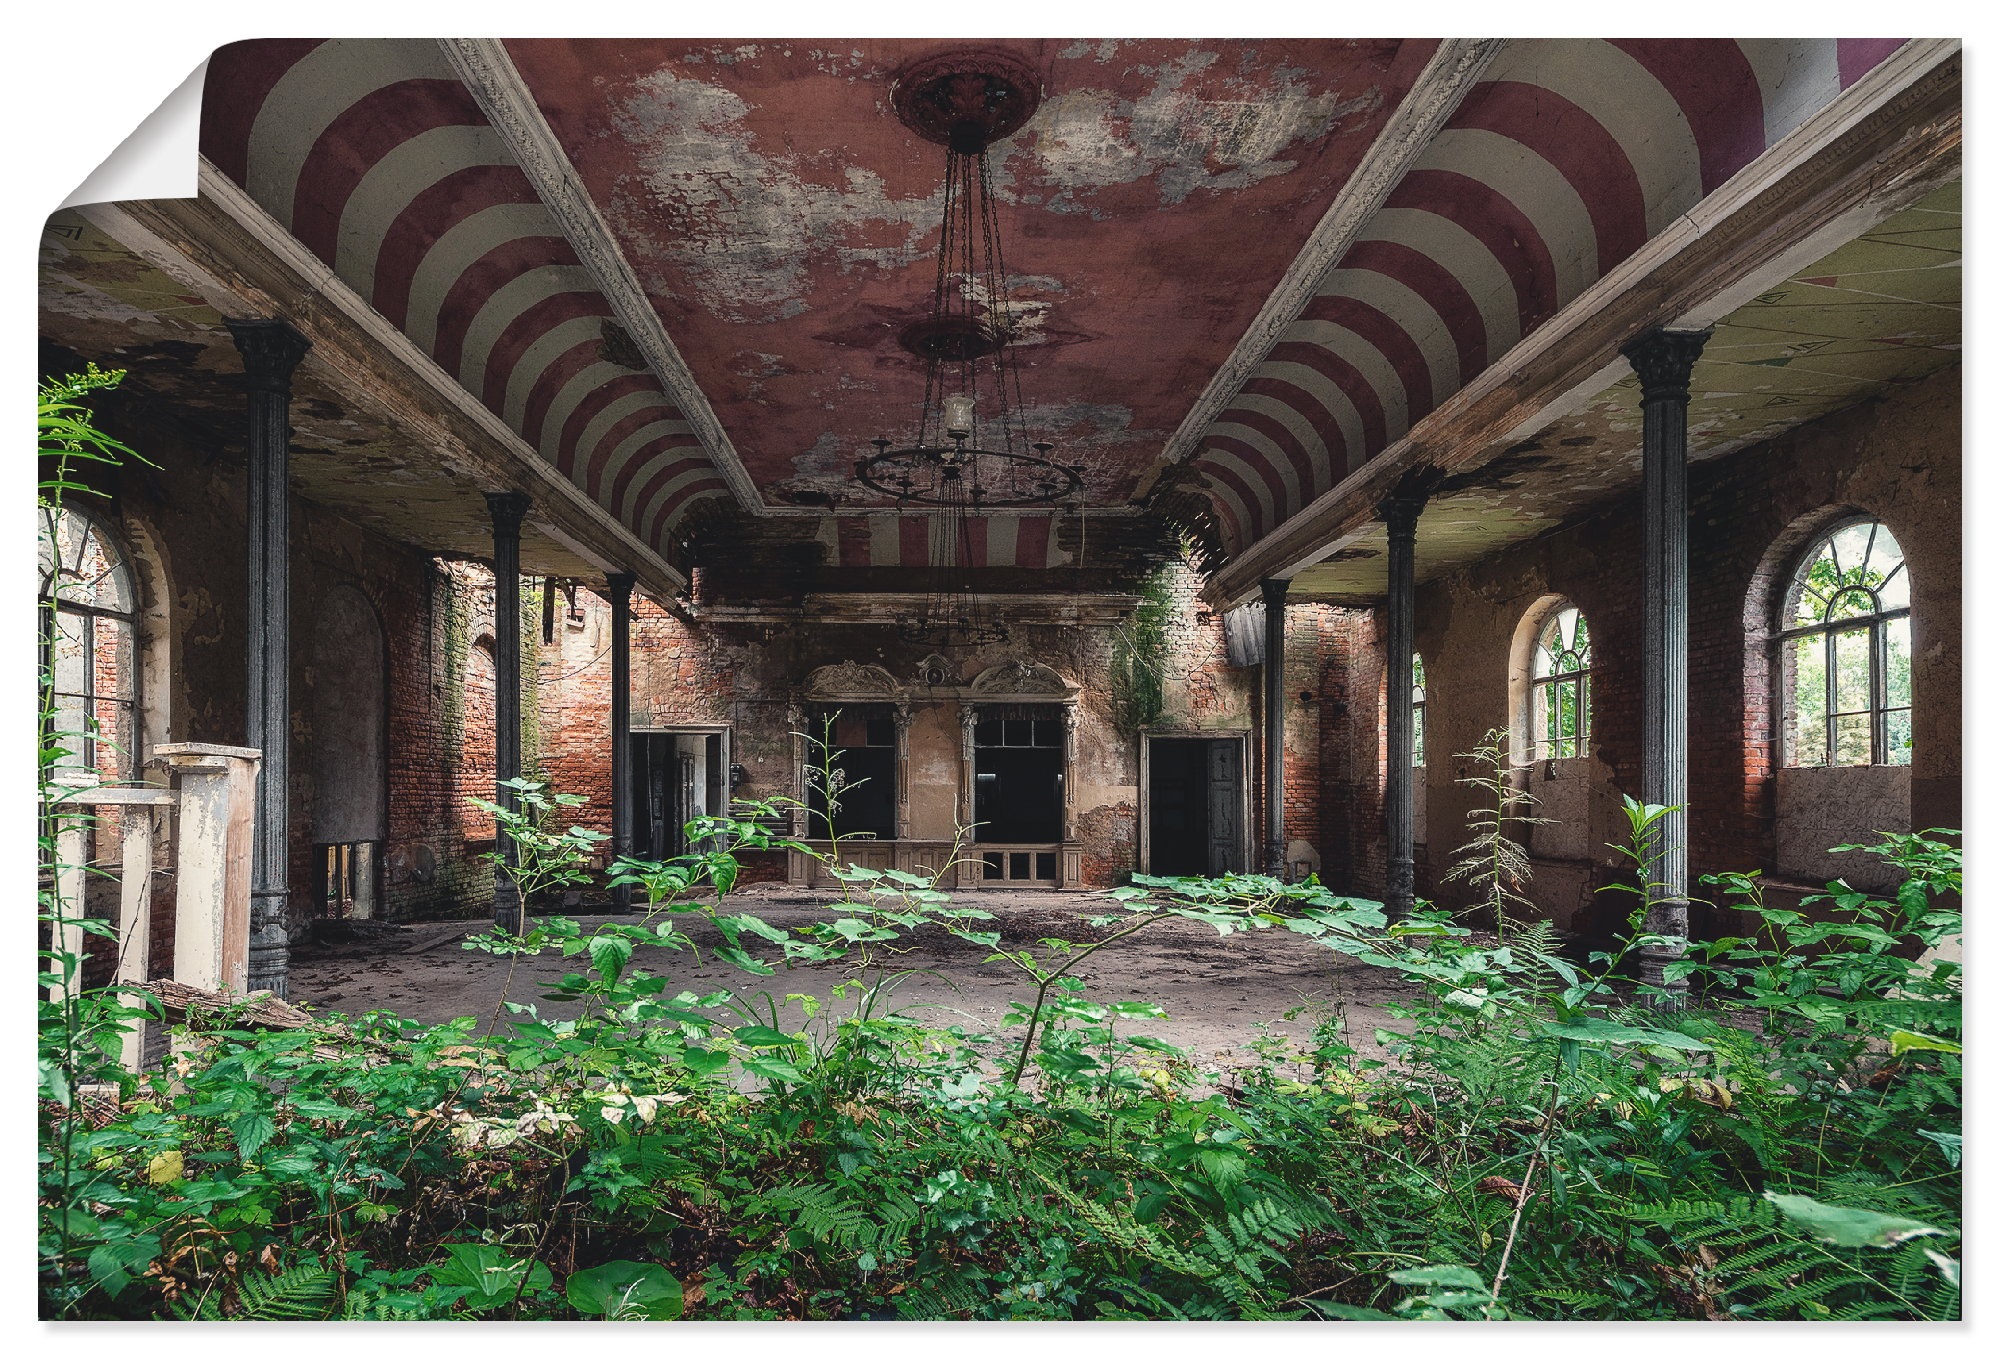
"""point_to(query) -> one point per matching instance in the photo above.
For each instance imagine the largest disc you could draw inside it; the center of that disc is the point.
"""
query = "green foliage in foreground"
(1536, 1144)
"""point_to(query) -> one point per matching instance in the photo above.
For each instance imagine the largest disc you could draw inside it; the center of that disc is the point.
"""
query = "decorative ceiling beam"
(1880, 145)
(496, 84)
(1446, 79)
(239, 260)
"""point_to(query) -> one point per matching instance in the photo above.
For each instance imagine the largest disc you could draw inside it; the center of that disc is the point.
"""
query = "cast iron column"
(508, 509)
(1274, 725)
(1400, 512)
(618, 588)
(271, 350)
(1664, 361)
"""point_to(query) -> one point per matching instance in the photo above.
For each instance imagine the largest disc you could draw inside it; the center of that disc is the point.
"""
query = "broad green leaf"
(1447, 1276)
(762, 1036)
(1904, 1040)
(626, 1290)
(251, 1131)
(1605, 1031)
(1849, 1226)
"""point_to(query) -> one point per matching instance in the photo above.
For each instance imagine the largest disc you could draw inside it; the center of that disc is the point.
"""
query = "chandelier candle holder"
(972, 454)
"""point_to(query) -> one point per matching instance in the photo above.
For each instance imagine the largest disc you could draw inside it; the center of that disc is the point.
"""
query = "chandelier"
(972, 452)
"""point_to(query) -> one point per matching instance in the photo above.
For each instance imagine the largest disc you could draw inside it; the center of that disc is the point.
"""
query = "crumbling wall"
(1750, 513)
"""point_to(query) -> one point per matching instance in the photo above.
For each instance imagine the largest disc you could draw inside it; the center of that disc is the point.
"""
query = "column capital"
(508, 509)
(1274, 592)
(618, 587)
(271, 350)
(1404, 504)
(1664, 361)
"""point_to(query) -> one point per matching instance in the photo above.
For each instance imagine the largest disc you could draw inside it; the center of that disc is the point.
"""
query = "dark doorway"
(1194, 806)
(1017, 784)
(860, 748)
(676, 777)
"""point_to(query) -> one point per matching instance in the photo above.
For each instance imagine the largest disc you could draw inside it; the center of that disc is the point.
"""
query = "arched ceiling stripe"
(1391, 397)
(1625, 100)
(513, 300)
(393, 183)
(587, 382)
(491, 272)
(570, 444)
(1410, 311)
(1291, 381)
(1464, 256)
(537, 320)
(719, 491)
(1455, 65)
(1259, 405)
(1257, 451)
(645, 462)
(1003, 540)
(1034, 545)
(1231, 478)
(1582, 151)
(312, 93)
(1859, 56)
(1230, 519)
(1509, 237)
(653, 511)
(560, 353)
(1717, 91)
(431, 219)
(1796, 77)
(1387, 338)
(597, 432)
(454, 253)
(489, 73)
(1347, 379)
(1441, 290)
(1297, 454)
(365, 134)
(240, 78)
(1537, 191)
(607, 476)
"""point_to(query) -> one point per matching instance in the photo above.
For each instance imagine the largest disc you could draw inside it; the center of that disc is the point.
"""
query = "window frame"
(1419, 700)
(52, 592)
(1541, 743)
(1788, 634)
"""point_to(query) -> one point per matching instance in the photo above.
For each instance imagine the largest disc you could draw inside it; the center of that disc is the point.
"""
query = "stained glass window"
(1561, 699)
(1845, 646)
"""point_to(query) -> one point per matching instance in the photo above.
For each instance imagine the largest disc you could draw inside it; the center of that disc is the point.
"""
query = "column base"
(270, 949)
(507, 912)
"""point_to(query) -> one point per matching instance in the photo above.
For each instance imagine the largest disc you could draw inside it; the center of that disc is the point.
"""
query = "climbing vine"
(1139, 653)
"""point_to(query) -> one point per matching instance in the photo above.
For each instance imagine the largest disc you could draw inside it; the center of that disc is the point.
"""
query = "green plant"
(1494, 863)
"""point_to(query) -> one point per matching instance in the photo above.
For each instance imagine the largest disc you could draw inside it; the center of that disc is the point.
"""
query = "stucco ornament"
(1021, 678)
(852, 680)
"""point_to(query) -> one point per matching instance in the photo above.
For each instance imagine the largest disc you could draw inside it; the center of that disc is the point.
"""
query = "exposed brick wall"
(1750, 512)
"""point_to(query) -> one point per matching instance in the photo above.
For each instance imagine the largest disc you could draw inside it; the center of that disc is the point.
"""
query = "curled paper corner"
(160, 157)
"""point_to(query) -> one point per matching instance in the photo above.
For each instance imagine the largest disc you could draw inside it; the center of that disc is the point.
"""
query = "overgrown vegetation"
(1536, 1142)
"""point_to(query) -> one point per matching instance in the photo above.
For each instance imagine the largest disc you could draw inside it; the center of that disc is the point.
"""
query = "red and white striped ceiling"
(777, 219)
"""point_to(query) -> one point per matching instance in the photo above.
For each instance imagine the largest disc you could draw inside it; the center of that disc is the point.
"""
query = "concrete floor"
(1220, 993)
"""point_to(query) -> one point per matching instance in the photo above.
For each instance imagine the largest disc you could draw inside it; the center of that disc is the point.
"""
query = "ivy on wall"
(1139, 655)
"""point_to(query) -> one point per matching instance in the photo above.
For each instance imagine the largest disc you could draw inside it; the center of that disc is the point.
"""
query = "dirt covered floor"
(1220, 994)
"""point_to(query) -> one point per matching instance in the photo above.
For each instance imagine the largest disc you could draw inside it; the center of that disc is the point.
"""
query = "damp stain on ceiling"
(782, 221)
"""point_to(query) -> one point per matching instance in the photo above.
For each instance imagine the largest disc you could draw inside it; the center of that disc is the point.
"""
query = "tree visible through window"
(90, 647)
(1416, 711)
(1561, 697)
(1846, 642)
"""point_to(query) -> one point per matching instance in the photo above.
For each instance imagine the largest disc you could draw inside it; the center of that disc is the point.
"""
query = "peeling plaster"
(747, 227)
(1086, 139)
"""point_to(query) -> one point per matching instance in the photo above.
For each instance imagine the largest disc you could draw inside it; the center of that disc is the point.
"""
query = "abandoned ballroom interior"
(1123, 456)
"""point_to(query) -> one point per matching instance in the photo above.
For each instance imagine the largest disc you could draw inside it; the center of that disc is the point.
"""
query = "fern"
(302, 1293)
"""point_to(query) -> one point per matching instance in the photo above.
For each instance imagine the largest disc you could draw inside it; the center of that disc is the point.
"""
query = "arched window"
(88, 646)
(1416, 711)
(1560, 701)
(1845, 639)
